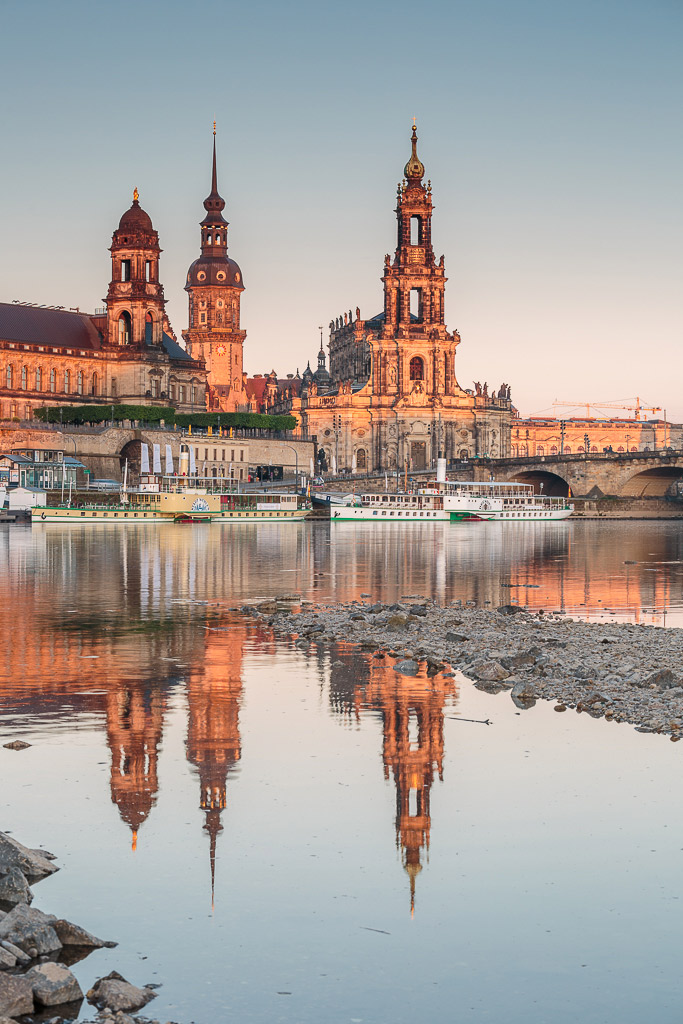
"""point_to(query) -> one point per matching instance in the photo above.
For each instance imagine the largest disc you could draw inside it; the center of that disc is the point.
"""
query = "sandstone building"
(125, 353)
(391, 397)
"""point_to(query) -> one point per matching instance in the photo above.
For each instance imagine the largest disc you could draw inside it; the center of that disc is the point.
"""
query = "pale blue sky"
(551, 132)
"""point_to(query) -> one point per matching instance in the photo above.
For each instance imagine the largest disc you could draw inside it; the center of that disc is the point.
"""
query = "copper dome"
(221, 271)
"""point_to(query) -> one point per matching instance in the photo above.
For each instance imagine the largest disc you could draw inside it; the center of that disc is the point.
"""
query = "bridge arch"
(651, 483)
(553, 484)
(132, 451)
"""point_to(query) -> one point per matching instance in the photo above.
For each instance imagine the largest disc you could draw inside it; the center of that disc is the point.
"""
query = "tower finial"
(414, 170)
(214, 127)
(214, 181)
(136, 195)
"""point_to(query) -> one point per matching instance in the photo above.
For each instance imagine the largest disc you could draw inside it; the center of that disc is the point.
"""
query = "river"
(300, 835)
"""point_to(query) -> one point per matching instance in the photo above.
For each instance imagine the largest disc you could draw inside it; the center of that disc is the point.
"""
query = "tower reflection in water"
(411, 709)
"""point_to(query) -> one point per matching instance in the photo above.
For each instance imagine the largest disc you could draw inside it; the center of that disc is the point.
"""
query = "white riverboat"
(455, 501)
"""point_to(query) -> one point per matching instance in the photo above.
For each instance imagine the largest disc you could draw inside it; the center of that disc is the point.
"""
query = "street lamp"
(586, 444)
(296, 463)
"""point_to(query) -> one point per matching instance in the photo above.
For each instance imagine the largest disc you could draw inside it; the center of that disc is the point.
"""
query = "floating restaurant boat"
(456, 501)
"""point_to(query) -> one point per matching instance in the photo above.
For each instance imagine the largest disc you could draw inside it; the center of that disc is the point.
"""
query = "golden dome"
(414, 170)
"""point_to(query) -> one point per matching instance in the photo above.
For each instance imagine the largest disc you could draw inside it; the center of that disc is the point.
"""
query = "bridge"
(626, 475)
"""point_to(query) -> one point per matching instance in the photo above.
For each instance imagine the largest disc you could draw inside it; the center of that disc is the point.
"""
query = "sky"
(550, 131)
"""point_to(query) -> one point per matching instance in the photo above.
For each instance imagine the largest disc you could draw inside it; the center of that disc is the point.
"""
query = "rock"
(30, 929)
(15, 951)
(490, 671)
(664, 679)
(407, 667)
(520, 660)
(31, 864)
(509, 609)
(16, 995)
(7, 960)
(524, 694)
(560, 707)
(53, 984)
(14, 888)
(418, 609)
(397, 620)
(16, 745)
(72, 935)
(492, 687)
(456, 638)
(117, 994)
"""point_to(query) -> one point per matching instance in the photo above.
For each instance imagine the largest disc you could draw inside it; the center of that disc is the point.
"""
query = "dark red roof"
(34, 325)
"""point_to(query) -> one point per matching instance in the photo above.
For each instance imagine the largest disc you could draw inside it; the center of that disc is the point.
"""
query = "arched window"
(567, 450)
(540, 450)
(67, 382)
(39, 379)
(10, 377)
(218, 239)
(24, 378)
(581, 448)
(53, 379)
(620, 448)
(464, 454)
(79, 384)
(95, 384)
(361, 459)
(594, 449)
(417, 368)
(553, 449)
(149, 329)
(416, 231)
(124, 328)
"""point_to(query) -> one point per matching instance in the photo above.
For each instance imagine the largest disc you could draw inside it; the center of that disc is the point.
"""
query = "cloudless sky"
(550, 131)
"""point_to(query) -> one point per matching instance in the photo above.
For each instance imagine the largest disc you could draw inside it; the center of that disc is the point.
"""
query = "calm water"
(304, 836)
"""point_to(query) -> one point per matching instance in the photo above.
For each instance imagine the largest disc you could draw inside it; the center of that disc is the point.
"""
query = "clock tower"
(214, 286)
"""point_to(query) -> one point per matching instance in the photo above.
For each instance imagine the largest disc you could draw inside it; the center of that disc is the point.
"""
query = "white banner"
(193, 464)
(144, 458)
(169, 461)
(156, 455)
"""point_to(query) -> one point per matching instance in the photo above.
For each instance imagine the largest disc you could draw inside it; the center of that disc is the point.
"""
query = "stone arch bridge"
(627, 475)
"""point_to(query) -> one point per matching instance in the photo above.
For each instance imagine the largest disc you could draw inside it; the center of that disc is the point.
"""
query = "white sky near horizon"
(550, 131)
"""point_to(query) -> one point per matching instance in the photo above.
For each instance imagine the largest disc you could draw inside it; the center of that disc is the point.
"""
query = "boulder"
(490, 671)
(7, 959)
(53, 984)
(509, 609)
(520, 660)
(14, 888)
(30, 929)
(523, 694)
(418, 609)
(16, 995)
(116, 993)
(407, 667)
(31, 864)
(664, 679)
(456, 638)
(15, 951)
(17, 745)
(72, 935)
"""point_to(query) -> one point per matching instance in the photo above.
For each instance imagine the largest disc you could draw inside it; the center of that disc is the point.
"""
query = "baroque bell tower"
(135, 298)
(214, 286)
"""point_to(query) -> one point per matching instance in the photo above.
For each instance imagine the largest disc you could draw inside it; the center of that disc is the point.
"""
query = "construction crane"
(637, 408)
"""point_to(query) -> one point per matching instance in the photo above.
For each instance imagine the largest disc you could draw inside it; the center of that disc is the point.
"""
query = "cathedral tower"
(214, 286)
(135, 299)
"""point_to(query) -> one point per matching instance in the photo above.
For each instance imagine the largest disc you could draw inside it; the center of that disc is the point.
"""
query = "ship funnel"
(184, 461)
(441, 471)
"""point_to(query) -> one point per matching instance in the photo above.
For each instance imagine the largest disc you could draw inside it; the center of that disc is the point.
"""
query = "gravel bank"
(622, 672)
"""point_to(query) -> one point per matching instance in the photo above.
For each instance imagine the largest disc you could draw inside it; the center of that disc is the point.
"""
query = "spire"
(214, 184)
(414, 170)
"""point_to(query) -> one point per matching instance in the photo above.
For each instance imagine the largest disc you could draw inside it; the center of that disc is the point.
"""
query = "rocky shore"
(37, 949)
(621, 672)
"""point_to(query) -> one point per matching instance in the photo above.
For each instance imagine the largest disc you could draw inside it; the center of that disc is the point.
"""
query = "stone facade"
(214, 286)
(126, 353)
(537, 436)
(391, 397)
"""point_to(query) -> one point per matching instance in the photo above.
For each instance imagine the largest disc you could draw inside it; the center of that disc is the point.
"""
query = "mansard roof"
(36, 325)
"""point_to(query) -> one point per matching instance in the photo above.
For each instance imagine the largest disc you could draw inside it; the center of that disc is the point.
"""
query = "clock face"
(220, 349)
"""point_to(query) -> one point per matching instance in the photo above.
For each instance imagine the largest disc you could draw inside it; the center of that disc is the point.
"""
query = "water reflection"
(412, 712)
(631, 569)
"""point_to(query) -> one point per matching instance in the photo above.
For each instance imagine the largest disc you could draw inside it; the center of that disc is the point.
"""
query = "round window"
(221, 275)
(201, 276)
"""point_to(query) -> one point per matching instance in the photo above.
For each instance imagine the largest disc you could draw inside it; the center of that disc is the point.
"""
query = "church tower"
(214, 286)
(135, 298)
(416, 354)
